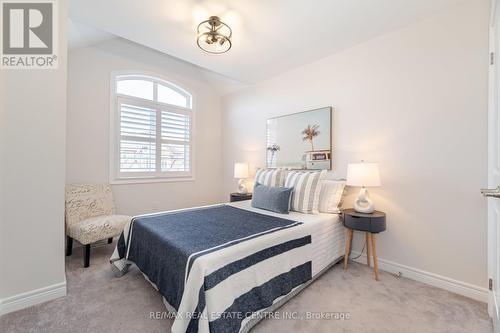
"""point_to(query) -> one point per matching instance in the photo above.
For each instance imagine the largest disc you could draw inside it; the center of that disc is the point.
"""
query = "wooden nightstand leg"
(374, 251)
(348, 239)
(367, 234)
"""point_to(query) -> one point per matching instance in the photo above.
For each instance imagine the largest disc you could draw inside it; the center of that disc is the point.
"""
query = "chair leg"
(69, 246)
(110, 240)
(86, 255)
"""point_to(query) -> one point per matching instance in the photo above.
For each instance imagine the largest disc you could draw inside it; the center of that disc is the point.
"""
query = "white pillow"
(306, 188)
(330, 197)
(270, 177)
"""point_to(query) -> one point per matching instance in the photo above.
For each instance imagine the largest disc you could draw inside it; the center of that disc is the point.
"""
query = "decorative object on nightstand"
(363, 175)
(371, 224)
(241, 173)
(240, 197)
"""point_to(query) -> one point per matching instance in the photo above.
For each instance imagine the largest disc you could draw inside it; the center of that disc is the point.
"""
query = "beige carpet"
(99, 302)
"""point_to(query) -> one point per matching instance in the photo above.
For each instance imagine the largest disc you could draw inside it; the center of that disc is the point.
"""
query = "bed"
(221, 268)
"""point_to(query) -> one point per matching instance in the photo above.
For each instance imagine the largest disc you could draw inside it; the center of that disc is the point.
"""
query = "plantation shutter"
(175, 141)
(137, 139)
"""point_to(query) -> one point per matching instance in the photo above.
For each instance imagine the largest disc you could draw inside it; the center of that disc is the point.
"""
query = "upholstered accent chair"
(90, 217)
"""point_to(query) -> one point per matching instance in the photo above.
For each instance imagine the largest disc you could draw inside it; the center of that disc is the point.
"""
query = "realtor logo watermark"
(28, 34)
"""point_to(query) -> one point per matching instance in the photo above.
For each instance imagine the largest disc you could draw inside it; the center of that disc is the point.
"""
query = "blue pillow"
(275, 199)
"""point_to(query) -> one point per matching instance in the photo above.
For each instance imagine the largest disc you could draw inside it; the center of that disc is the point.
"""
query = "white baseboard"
(439, 281)
(33, 297)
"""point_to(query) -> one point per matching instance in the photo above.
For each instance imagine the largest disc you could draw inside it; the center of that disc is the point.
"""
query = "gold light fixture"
(214, 36)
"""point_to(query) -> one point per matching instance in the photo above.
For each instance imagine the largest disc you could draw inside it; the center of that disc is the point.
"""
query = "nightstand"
(240, 197)
(371, 224)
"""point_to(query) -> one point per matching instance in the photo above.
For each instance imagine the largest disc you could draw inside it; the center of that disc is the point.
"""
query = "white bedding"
(328, 233)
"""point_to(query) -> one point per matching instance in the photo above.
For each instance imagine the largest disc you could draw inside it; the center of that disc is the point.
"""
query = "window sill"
(125, 181)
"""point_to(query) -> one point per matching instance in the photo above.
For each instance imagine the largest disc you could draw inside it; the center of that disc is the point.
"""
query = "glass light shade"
(241, 170)
(363, 175)
(214, 36)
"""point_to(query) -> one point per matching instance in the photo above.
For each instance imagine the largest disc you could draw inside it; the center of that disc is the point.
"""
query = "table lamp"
(241, 173)
(363, 175)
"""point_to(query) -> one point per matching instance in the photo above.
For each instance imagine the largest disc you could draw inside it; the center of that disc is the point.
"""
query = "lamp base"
(242, 186)
(363, 203)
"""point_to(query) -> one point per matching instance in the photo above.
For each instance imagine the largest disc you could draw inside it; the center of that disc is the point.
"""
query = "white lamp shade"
(363, 174)
(241, 170)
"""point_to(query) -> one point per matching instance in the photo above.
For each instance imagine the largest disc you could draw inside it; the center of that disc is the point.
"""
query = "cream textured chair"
(90, 217)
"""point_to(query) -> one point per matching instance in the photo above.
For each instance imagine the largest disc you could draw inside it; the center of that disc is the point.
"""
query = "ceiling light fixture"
(214, 36)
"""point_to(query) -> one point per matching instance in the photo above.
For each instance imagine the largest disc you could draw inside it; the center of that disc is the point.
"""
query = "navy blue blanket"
(161, 245)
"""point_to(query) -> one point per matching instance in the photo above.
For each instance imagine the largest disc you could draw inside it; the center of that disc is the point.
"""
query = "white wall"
(32, 146)
(414, 100)
(87, 150)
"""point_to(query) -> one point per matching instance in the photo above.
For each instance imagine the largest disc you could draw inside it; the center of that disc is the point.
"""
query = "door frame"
(493, 127)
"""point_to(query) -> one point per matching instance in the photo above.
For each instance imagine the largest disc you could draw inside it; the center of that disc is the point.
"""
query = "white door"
(493, 195)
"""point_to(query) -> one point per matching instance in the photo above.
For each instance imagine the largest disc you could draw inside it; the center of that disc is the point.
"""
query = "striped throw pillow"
(270, 177)
(330, 197)
(306, 189)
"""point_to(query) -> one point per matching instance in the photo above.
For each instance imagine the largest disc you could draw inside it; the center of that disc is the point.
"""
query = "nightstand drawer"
(357, 223)
(240, 197)
(361, 223)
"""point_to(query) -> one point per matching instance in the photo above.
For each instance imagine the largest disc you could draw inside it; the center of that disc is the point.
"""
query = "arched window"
(151, 130)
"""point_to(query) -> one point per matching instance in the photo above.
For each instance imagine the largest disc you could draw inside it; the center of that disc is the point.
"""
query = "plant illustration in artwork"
(273, 149)
(310, 133)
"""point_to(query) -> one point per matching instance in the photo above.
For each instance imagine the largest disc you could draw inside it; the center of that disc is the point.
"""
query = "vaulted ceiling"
(269, 36)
